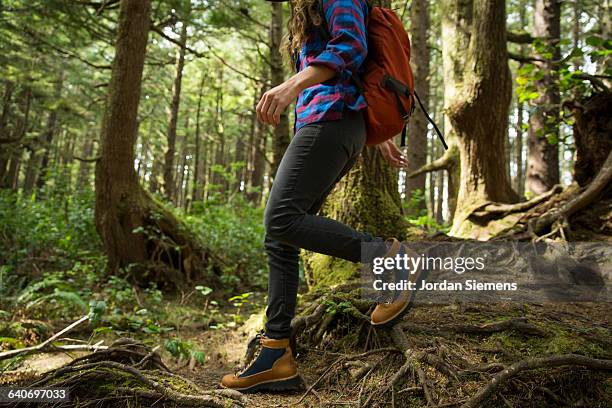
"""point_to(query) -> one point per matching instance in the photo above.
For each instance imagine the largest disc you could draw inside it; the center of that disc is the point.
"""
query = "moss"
(323, 270)
(560, 342)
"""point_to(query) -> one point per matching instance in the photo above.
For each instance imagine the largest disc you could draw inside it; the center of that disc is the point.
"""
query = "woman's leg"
(318, 156)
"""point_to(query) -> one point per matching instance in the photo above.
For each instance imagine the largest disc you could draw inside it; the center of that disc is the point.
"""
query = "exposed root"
(534, 363)
(518, 324)
(128, 369)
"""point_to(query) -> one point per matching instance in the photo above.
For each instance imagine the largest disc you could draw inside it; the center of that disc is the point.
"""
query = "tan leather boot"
(273, 369)
(387, 312)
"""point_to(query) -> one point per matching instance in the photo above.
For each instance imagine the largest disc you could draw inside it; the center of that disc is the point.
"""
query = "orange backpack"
(387, 81)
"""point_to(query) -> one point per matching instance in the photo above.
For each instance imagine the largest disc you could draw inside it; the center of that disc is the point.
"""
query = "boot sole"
(287, 384)
(407, 306)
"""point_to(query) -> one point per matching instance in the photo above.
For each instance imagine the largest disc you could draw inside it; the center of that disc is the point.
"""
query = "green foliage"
(184, 350)
(234, 232)
(429, 223)
(60, 228)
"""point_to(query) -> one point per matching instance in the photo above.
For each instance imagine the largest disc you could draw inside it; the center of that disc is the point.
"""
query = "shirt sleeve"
(347, 46)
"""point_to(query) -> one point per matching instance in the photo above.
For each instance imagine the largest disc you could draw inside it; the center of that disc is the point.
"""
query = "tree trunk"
(196, 194)
(51, 129)
(479, 86)
(417, 126)
(11, 177)
(258, 155)
(520, 167)
(169, 170)
(543, 136)
(277, 74)
(592, 135)
(140, 236)
(31, 172)
(84, 167)
(239, 161)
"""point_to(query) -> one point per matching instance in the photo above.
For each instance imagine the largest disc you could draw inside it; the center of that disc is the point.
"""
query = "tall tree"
(196, 194)
(50, 130)
(169, 169)
(135, 229)
(277, 75)
(417, 126)
(477, 79)
(543, 135)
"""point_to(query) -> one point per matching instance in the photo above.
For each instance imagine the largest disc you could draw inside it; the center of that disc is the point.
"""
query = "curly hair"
(305, 14)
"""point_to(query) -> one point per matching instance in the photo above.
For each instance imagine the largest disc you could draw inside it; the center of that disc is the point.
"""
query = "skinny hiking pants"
(318, 156)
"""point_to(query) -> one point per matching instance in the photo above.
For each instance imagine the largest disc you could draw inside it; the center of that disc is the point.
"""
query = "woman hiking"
(329, 135)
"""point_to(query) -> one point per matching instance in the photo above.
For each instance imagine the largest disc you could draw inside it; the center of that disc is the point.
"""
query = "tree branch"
(519, 38)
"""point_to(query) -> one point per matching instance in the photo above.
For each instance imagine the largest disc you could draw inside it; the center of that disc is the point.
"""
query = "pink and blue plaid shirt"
(343, 49)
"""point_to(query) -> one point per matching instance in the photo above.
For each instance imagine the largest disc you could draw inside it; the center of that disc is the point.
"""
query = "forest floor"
(445, 332)
(580, 328)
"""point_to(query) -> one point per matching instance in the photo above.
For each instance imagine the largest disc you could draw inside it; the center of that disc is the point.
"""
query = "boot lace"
(253, 351)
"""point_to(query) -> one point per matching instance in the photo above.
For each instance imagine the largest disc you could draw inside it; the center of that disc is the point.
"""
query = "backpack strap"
(431, 121)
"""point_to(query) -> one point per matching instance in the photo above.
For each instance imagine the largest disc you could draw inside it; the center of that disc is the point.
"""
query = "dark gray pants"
(318, 156)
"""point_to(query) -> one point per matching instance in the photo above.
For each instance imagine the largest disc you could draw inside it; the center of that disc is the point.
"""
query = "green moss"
(559, 342)
(323, 270)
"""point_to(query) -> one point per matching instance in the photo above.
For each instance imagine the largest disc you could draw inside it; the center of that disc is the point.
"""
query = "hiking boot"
(389, 311)
(272, 369)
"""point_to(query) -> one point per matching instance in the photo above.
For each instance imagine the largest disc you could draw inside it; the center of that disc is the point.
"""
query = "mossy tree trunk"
(140, 236)
(478, 92)
(543, 136)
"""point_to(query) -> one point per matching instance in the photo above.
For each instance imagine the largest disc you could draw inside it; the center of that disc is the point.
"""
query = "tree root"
(595, 188)
(531, 364)
(517, 324)
(504, 209)
(128, 369)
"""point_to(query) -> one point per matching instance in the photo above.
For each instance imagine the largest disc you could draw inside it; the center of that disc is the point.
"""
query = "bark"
(11, 177)
(140, 237)
(477, 97)
(51, 129)
(277, 75)
(85, 166)
(219, 143)
(31, 172)
(417, 126)
(439, 195)
(4, 116)
(169, 170)
(197, 191)
(239, 161)
(518, 151)
(258, 154)
(592, 136)
(6, 106)
(543, 147)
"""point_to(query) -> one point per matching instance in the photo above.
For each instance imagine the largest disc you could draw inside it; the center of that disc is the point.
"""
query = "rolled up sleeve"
(347, 47)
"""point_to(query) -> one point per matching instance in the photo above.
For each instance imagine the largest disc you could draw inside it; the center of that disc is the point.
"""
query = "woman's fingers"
(259, 107)
(271, 111)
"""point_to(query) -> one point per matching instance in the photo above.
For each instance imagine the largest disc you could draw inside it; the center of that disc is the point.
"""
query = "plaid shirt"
(342, 49)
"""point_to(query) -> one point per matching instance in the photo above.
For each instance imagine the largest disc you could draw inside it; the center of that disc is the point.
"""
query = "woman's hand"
(275, 101)
(393, 154)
